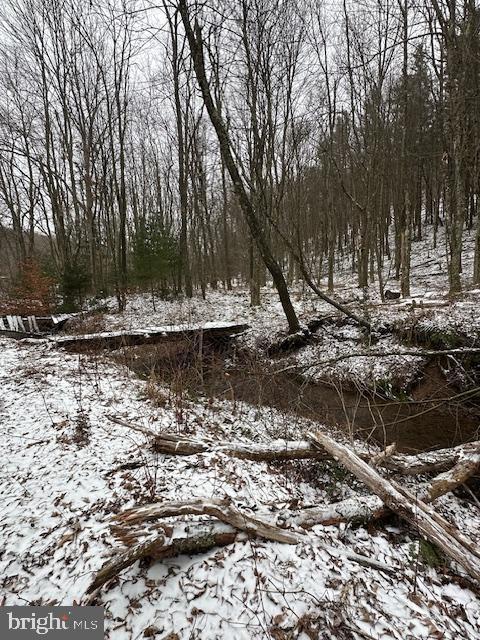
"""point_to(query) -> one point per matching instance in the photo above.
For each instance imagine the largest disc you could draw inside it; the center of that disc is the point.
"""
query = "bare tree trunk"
(420, 515)
(184, 267)
(258, 233)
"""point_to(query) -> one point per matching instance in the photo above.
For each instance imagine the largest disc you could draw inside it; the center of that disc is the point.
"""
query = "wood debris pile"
(149, 531)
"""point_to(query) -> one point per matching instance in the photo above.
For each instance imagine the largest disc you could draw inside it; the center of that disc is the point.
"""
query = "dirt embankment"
(436, 412)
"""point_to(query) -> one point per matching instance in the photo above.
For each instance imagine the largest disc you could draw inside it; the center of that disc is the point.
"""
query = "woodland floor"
(62, 480)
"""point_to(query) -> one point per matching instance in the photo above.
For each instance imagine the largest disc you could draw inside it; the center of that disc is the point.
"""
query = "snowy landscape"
(71, 466)
(240, 317)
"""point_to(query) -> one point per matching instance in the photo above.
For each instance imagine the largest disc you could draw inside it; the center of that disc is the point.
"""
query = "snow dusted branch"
(178, 445)
(367, 508)
(404, 464)
(466, 467)
(429, 461)
(415, 511)
(221, 509)
(259, 452)
(199, 537)
(417, 353)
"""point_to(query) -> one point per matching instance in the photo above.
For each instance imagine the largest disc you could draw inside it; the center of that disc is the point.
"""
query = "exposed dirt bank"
(435, 414)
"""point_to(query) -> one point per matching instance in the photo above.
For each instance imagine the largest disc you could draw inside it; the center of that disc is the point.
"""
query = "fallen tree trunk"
(360, 509)
(416, 512)
(468, 465)
(221, 509)
(416, 304)
(405, 464)
(200, 538)
(363, 509)
(274, 450)
(177, 445)
(154, 335)
(429, 461)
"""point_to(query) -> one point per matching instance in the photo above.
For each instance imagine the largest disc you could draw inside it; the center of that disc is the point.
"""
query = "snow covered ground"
(60, 483)
(64, 476)
(428, 309)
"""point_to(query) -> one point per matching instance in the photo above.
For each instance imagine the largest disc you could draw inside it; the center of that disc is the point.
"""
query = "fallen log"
(275, 450)
(178, 445)
(357, 510)
(404, 464)
(416, 512)
(466, 467)
(415, 304)
(221, 509)
(429, 461)
(210, 331)
(262, 525)
(362, 509)
(199, 537)
(195, 538)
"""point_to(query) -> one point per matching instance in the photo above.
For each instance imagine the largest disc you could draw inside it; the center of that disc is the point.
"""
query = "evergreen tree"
(155, 258)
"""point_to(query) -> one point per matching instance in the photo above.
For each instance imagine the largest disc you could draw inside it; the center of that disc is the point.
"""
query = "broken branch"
(416, 512)
(278, 450)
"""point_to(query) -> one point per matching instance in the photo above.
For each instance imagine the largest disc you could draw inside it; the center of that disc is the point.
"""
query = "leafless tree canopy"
(181, 145)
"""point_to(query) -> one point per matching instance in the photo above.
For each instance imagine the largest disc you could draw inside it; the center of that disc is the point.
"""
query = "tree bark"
(254, 224)
(200, 538)
(278, 450)
(416, 512)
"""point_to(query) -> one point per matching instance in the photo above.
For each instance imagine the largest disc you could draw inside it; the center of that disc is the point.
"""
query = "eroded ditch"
(430, 418)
